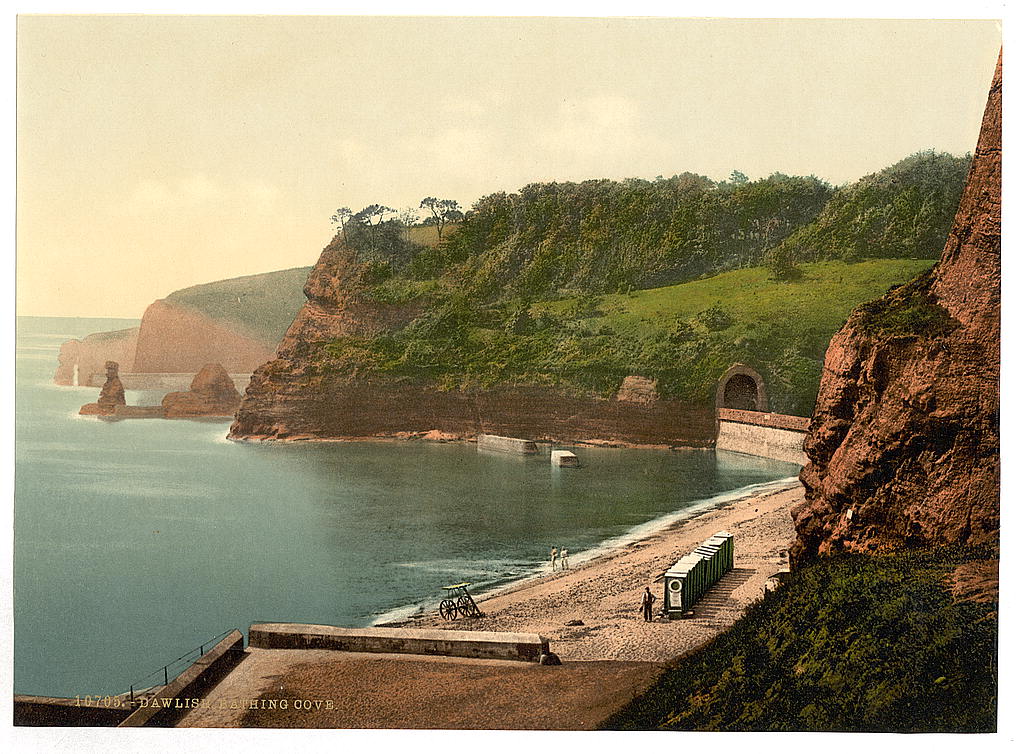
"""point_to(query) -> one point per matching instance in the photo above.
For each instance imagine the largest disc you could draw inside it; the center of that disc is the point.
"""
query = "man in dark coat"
(648, 605)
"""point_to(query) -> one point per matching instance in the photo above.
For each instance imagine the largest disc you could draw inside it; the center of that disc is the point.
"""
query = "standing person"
(565, 559)
(648, 605)
(554, 557)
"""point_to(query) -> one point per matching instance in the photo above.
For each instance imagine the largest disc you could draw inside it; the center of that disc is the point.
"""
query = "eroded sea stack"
(111, 394)
(212, 393)
(903, 447)
(88, 356)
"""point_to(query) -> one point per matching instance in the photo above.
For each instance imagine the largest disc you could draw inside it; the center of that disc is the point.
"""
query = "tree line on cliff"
(534, 287)
(550, 240)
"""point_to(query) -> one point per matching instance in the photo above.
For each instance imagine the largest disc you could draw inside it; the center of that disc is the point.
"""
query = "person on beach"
(554, 557)
(647, 606)
(565, 559)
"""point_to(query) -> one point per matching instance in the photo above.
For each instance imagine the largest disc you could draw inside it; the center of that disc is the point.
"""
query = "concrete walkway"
(357, 690)
(608, 659)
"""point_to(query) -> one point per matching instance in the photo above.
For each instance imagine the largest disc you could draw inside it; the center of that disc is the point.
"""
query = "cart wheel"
(448, 610)
(466, 606)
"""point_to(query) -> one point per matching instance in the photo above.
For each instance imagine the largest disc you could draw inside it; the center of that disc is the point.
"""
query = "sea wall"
(40, 711)
(173, 700)
(490, 645)
(776, 436)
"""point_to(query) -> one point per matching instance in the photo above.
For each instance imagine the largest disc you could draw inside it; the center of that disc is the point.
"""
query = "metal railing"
(185, 659)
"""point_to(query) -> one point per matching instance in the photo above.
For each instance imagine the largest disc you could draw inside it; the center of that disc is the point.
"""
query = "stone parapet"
(761, 419)
(174, 699)
(422, 641)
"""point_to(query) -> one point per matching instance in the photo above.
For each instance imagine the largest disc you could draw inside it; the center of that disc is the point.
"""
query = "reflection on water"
(137, 540)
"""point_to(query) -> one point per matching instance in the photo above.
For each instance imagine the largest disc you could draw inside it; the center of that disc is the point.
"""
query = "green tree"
(372, 216)
(781, 264)
(340, 218)
(442, 212)
(408, 217)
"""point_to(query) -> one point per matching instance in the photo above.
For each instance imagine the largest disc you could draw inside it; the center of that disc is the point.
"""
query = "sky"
(157, 153)
(160, 152)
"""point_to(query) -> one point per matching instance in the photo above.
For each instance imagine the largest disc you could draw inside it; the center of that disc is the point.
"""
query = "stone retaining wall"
(52, 711)
(174, 699)
(423, 641)
(775, 436)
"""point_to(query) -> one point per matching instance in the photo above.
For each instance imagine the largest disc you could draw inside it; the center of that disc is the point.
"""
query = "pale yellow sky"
(160, 152)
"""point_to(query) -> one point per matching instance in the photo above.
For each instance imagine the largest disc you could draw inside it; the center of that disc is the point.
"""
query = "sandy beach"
(605, 593)
(607, 660)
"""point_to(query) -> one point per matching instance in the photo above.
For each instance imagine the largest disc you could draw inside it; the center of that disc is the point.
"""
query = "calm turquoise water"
(137, 540)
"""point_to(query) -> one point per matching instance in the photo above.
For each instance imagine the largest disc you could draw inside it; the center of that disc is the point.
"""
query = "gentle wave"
(398, 613)
(634, 534)
(647, 528)
(456, 566)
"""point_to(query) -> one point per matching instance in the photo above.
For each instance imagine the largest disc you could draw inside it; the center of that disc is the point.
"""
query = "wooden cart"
(459, 602)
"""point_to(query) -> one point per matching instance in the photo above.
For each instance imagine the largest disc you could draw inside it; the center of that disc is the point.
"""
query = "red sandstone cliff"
(176, 338)
(172, 338)
(91, 353)
(904, 444)
(288, 398)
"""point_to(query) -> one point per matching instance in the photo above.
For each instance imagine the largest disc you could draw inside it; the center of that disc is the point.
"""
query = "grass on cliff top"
(685, 335)
(259, 306)
(909, 311)
(426, 235)
(854, 643)
(115, 334)
(821, 297)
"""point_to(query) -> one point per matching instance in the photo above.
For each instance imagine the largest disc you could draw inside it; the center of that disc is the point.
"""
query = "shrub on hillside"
(853, 643)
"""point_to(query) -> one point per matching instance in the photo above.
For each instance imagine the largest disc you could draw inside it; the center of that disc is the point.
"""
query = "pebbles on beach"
(590, 614)
(593, 612)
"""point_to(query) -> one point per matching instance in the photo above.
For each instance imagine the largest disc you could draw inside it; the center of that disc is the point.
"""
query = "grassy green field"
(426, 235)
(821, 298)
(685, 336)
(260, 306)
(853, 643)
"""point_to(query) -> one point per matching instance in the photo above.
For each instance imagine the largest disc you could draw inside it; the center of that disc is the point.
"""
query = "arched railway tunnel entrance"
(741, 388)
(740, 392)
(745, 424)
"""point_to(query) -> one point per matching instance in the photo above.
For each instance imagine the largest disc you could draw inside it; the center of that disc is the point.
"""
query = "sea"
(137, 541)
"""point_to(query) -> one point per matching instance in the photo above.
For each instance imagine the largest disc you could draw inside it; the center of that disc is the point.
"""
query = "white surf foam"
(634, 534)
